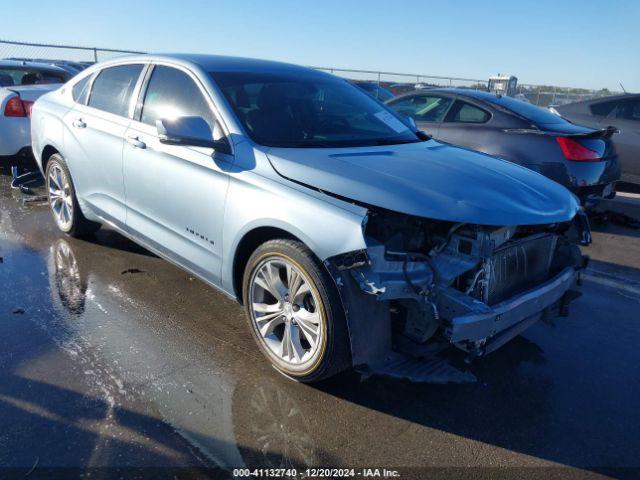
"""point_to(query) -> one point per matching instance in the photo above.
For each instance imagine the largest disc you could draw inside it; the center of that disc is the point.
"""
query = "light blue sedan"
(350, 238)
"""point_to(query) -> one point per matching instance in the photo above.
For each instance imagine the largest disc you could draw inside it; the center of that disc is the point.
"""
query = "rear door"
(176, 194)
(466, 124)
(95, 137)
(428, 110)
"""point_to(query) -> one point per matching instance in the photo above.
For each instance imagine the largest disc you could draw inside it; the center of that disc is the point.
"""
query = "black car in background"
(621, 111)
(582, 159)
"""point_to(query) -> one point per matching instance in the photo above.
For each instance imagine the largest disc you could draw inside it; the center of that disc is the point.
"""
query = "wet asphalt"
(112, 360)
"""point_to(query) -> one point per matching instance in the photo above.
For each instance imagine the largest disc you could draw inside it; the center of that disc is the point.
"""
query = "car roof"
(220, 63)
(606, 99)
(489, 96)
(463, 92)
(24, 63)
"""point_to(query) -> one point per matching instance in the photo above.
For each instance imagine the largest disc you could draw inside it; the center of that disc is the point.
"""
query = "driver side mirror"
(190, 131)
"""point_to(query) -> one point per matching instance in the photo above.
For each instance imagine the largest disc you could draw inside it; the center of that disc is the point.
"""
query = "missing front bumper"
(486, 325)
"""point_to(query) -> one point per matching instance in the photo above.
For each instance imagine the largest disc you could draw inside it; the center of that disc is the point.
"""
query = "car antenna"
(622, 87)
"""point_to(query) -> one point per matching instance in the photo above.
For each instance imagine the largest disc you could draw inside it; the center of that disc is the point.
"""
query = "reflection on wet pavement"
(119, 358)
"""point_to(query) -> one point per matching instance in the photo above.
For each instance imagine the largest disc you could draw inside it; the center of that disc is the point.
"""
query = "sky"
(578, 43)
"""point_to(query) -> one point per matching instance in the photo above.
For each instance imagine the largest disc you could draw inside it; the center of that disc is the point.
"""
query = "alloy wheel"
(286, 312)
(60, 197)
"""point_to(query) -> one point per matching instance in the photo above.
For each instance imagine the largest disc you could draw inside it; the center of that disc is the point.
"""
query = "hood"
(431, 180)
(33, 92)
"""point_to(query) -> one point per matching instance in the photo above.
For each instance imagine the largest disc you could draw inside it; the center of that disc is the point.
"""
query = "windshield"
(534, 114)
(293, 110)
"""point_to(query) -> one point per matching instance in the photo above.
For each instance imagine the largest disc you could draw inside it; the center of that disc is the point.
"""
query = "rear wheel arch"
(47, 152)
(62, 189)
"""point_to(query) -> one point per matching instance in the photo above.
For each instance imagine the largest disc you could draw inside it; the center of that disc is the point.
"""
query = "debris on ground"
(131, 270)
(35, 199)
(24, 182)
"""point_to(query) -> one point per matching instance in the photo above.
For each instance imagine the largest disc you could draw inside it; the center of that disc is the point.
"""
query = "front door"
(176, 194)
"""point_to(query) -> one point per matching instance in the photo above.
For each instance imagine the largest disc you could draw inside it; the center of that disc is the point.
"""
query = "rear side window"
(80, 90)
(603, 109)
(463, 112)
(630, 110)
(423, 108)
(113, 87)
(172, 93)
(533, 113)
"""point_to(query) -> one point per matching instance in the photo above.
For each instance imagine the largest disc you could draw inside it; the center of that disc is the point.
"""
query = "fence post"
(378, 78)
(95, 54)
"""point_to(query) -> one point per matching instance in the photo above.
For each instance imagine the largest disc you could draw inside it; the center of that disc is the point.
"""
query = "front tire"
(63, 200)
(294, 311)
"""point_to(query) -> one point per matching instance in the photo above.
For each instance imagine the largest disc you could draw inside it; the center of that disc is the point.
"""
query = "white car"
(21, 84)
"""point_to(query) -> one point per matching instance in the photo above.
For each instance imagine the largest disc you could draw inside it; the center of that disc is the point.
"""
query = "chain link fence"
(41, 51)
(548, 95)
(402, 82)
(398, 83)
(541, 95)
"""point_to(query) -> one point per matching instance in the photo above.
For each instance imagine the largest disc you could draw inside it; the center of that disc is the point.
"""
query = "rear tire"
(295, 313)
(63, 200)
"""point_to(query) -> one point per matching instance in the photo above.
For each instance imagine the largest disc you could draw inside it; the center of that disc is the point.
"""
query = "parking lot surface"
(112, 357)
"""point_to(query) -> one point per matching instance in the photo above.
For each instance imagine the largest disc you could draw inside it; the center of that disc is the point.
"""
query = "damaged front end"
(422, 284)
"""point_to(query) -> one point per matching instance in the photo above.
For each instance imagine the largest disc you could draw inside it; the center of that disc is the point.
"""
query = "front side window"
(309, 110)
(423, 108)
(463, 112)
(113, 87)
(172, 93)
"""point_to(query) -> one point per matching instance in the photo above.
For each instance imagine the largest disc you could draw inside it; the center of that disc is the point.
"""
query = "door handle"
(135, 142)
(78, 123)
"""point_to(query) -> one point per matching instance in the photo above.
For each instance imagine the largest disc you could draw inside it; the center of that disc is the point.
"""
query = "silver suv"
(350, 238)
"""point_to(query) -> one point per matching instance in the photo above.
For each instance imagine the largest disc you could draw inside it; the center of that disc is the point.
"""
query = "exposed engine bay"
(435, 282)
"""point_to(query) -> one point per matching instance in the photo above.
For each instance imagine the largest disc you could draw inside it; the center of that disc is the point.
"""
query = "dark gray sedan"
(622, 111)
(582, 159)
